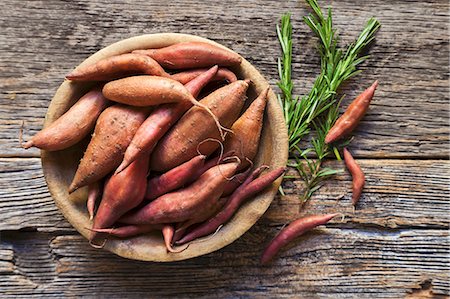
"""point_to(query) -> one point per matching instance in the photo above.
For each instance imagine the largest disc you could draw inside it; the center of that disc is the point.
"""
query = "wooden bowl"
(59, 167)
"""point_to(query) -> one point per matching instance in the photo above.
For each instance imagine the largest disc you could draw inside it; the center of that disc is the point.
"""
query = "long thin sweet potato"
(234, 202)
(175, 178)
(290, 232)
(181, 142)
(127, 231)
(160, 121)
(185, 203)
(122, 192)
(223, 74)
(192, 55)
(73, 125)
(113, 132)
(358, 177)
(244, 139)
(116, 67)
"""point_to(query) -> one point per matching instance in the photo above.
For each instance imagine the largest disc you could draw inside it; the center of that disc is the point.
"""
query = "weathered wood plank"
(398, 193)
(325, 263)
(410, 58)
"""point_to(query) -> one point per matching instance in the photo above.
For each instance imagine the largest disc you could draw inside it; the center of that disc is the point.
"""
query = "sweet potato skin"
(192, 55)
(181, 142)
(175, 178)
(146, 91)
(293, 230)
(247, 131)
(73, 125)
(358, 177)
(348, 121)
(112, 134)
(122, 192)
(223, 74)
(185, 203)
(116, 67)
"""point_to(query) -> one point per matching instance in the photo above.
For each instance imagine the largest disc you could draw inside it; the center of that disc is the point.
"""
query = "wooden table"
(395, 244)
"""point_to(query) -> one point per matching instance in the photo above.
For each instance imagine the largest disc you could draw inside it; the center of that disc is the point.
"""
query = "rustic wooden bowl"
(59, 167)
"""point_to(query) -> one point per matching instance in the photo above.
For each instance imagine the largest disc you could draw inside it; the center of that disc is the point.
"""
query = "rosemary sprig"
(318, 110)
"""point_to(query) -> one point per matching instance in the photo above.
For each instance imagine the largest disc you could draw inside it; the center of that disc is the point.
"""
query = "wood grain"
(409, 57)
(325, 263)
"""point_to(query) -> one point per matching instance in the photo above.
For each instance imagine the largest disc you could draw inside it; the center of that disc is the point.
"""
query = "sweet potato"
(348, 121)
(122, 192)
(184, 204)
(244, 139)
(160, 121)
(113, 132)
(175, 178)
(73, 125)
(192, 55)
(223, 74)
(147, 91)
(127, 231)
(241, 194)
(181, 142)
(116, 67)
(293, 230)
(358, 177)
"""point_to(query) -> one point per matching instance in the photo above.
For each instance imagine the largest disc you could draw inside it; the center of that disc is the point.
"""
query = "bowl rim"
(126, 249)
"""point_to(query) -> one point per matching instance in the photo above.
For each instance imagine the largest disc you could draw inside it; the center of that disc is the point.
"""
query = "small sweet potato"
(73, 125)
(192, 55)
(117, 67)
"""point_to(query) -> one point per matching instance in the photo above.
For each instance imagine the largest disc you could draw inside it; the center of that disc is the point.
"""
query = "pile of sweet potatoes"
(172, 146)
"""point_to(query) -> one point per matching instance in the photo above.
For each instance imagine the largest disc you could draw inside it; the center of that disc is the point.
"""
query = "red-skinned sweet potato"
(121, 193)
(117, 67)
(73, 125)
(192, 55)
(293, 230)
(175, 178)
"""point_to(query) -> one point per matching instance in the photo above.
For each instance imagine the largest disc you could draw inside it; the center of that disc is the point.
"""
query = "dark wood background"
(395, 245)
